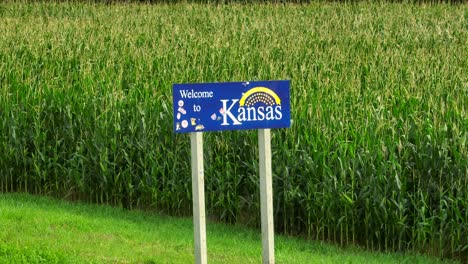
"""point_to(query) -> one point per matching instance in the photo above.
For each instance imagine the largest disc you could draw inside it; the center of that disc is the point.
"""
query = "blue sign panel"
(231, 106)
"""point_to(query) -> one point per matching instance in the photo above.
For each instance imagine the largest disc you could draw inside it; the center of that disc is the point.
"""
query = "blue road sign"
(231, 106)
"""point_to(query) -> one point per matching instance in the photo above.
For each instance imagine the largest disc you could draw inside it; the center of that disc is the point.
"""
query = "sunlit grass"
(42, 230)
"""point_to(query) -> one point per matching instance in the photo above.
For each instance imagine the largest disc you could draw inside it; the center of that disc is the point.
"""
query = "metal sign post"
(198, 193)
(266, 196)
(232, 106)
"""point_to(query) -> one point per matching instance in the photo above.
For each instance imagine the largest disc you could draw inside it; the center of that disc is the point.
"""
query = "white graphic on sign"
(182, 110)
(184, 123)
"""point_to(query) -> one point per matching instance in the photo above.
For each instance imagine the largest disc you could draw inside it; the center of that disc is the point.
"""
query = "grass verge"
(43, 230)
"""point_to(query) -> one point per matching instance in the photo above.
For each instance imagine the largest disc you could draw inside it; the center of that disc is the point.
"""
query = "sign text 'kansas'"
(231, 106)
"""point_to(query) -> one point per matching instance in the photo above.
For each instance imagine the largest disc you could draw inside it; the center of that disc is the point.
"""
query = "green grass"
(376, 155)
(42, 230)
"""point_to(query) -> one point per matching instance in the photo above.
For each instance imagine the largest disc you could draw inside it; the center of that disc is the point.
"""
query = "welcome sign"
(231, 106)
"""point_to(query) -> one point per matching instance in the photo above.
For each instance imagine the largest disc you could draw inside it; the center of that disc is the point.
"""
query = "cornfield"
(376, 155)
